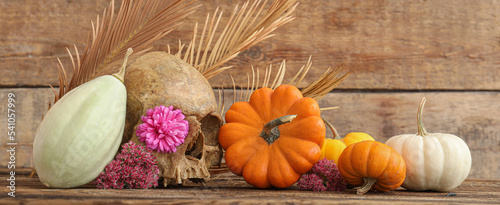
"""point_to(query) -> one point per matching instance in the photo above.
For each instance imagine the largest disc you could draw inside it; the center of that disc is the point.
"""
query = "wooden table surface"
(400, 51)
(226, 188)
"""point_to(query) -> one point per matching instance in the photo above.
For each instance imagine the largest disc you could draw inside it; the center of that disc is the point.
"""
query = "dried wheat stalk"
(137, 25)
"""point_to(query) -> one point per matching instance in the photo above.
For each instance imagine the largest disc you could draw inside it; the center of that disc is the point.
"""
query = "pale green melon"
(81, 133)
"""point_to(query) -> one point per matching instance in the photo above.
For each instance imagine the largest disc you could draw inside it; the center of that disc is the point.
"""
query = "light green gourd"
(82, 132)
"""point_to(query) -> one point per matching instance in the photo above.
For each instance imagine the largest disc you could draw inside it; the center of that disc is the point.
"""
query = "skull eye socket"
(196, 150)
(210, 125)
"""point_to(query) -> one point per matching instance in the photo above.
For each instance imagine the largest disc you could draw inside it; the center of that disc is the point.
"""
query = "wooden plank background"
(399, 51)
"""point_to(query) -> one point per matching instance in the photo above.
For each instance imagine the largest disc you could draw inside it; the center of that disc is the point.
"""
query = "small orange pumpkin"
(372, 165)
(274, 138)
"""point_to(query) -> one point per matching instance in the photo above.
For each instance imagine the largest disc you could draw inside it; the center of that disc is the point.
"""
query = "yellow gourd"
(355, 137)
(333, 147)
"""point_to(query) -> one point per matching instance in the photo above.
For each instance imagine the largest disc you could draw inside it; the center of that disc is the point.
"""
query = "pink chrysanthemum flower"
(134, 168)
(324, 176)
(163, 129)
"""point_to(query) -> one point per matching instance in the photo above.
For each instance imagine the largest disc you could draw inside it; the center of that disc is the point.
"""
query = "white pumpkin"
(434, 161)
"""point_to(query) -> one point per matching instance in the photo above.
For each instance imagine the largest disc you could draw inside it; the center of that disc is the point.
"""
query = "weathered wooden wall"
(399, 51)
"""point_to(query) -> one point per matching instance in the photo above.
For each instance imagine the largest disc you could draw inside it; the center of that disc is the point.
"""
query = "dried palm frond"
(326, 83)
(138, 24)
(246, 27)
(221, 105)
(317, 89)
(323, 85)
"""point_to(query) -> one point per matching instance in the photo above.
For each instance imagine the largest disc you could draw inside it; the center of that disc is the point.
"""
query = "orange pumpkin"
(372, 165)
(274, 138)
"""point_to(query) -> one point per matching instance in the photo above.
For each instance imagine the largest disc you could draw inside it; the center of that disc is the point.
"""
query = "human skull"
(158, 78)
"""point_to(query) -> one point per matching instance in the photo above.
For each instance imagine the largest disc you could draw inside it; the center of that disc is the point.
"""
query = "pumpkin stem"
(121, 74)
(369, 182)
(335, 133)
(421, 129)
(270, 132)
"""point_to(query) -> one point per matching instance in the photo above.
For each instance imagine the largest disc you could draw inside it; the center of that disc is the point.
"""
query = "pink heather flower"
(324, 176)
(134, 168)
(163, 129)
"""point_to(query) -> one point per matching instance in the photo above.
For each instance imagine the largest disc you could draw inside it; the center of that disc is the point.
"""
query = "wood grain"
(390, 44)
(473, 116)
(226, 188)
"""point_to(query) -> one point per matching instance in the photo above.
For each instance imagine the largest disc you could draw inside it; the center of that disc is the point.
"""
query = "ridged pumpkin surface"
(282, 162)
(372, 159)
